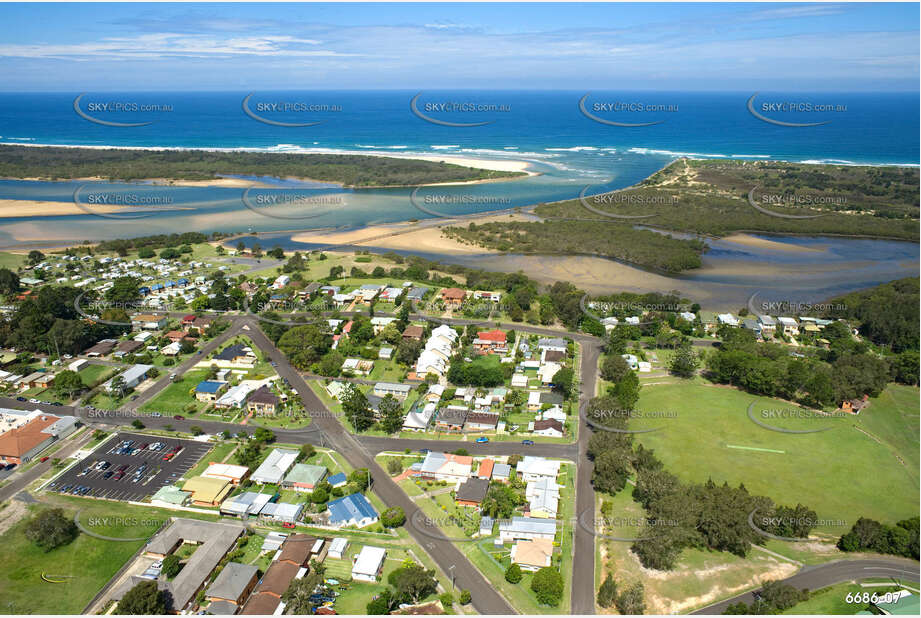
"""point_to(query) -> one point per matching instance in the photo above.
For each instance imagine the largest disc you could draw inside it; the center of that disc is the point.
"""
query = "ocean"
(576, 141)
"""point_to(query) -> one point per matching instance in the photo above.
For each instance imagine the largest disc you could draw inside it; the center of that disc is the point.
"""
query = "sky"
(180, 47)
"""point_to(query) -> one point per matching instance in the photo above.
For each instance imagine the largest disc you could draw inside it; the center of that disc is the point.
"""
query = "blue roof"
(208, 386)
(144, 290)
(338, 478)
(183, 280)
(354, 506)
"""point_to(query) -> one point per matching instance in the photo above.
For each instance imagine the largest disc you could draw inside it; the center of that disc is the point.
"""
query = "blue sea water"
(573, 147)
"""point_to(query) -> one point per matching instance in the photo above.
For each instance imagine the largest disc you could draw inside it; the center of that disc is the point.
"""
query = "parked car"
(43, 459)
(482, 440)
(528, 442)
(21, 399)
(178, 417)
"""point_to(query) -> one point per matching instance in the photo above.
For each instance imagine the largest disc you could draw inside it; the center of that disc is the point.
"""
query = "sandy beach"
(425, 237)
(763, 243)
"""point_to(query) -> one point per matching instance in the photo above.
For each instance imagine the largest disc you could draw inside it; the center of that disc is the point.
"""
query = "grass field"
(85, 565)
(175, 397)
(94, 374)
(842, 473)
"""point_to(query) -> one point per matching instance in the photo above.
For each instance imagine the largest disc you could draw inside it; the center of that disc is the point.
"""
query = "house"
(399, 391)
(78, 364)
(263, 401)
(235, 397)
(687, 316)
(338, 548)
(490, 342)
(338, 480)
(552, 398)
(485, 469)
(709, 321)
(481, 421)
(417, 293)
(527, 528)
(854, 406)
(547, 372)
(128, 347)
(552, 355)
(358, 366)
(552, 343)
(451, 418)
(207, 491)
(297, 549)
(446, 467)
(768, 325)
(368, 292)
(727, 319)
(555, 412)
(501, 472)
(171, 349)
(280, 282)
(519, 380)
(304, 477)
(229, 472)
(209, 390)
(385, 353)
(236, 354)
(380, 323)
(38, 379)
(543, 498)
(788, 326)
(335, 389)
(233, 584)
(453, 297)
(419, 419)
(352, 510)
(752, 325)
(532, 468)
(245, 504)
(534, 401)
(176, 335)
(550, 427)
(413, 332)
(369, 563)
(434, 393)
(532, 555)
(148, 321)
(100, 349)
(273, 469)
(282, 512)
(131, 377)
(471, 492)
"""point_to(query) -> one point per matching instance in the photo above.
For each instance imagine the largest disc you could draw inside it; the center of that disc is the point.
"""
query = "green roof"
(908, 605)
(306, 473)
(171, 494)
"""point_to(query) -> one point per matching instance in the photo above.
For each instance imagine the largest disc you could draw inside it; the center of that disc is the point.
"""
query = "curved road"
(815, 577)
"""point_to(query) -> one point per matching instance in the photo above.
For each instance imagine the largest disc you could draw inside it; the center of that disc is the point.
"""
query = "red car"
(179, 417)
(287, 524)
(43, 459)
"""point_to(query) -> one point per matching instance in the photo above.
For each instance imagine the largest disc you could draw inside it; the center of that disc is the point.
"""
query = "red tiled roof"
(492, 335)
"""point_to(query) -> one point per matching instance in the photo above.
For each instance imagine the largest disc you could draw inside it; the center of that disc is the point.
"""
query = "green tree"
(607, 594)
(563, 381)
(68, 383)
(171, 566)
(304, 345)
(299, 597)
(685, 361)
(393, 517)
(391, 412)
(356, 408)
(464, 598)
(35, 257)
(51, 528)
(143, 599)
(412, 583)
(513, 574)
(381, 604)
(9, 281)
(547, 585)
(632, 600)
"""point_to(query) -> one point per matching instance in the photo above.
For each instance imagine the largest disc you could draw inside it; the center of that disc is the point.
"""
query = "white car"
(34, 401)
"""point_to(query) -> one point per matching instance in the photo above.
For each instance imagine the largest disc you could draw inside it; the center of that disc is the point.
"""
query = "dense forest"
(887, 314)
(126, 165)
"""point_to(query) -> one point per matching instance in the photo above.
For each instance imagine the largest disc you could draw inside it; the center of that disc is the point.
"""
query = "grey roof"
(551, 342)
(473, 489)
(501, 470)
(136, 372)
(216, 540)
(552, 397)
(221, 608)
(232, 581)
(531, 525)
(452, 415)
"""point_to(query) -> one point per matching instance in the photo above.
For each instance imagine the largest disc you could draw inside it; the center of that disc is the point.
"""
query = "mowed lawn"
(84, 566)
(841, 473)
(175, 397)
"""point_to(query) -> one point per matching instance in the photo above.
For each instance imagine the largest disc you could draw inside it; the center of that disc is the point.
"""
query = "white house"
(368, 563)
(534, 468)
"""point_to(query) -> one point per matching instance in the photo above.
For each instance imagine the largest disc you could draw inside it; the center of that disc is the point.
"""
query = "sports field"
(862, 466)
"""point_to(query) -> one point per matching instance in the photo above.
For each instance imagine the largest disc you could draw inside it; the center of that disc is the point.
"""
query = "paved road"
(815, 577)
(20, 481)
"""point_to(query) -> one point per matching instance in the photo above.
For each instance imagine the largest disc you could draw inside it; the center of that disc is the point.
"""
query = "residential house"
(207, 491)
(209, 390)
(399, 391)
(369, 564)
(413, 332)
(768, 326)
(727, 319)
(527, 528)
(352, 510)
(471, 492)
(501, 472)
(358, 366)
(532, 468)
(451, 418)
(547, 372)
(304, 477)
(131, 377)
(262, 402)
(419, 417)
(490, 342)
(229, 472)
(453, 297)
(550, 427)
(273, 469)
(148, 321)
(481, 421)
(235, 397)
(233, 584)
(446, 467)
(543, 497)
(788, 326)
(532, 555)
(100, 349)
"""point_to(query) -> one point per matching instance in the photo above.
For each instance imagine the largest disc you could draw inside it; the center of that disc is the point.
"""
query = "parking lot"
(119, 471)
